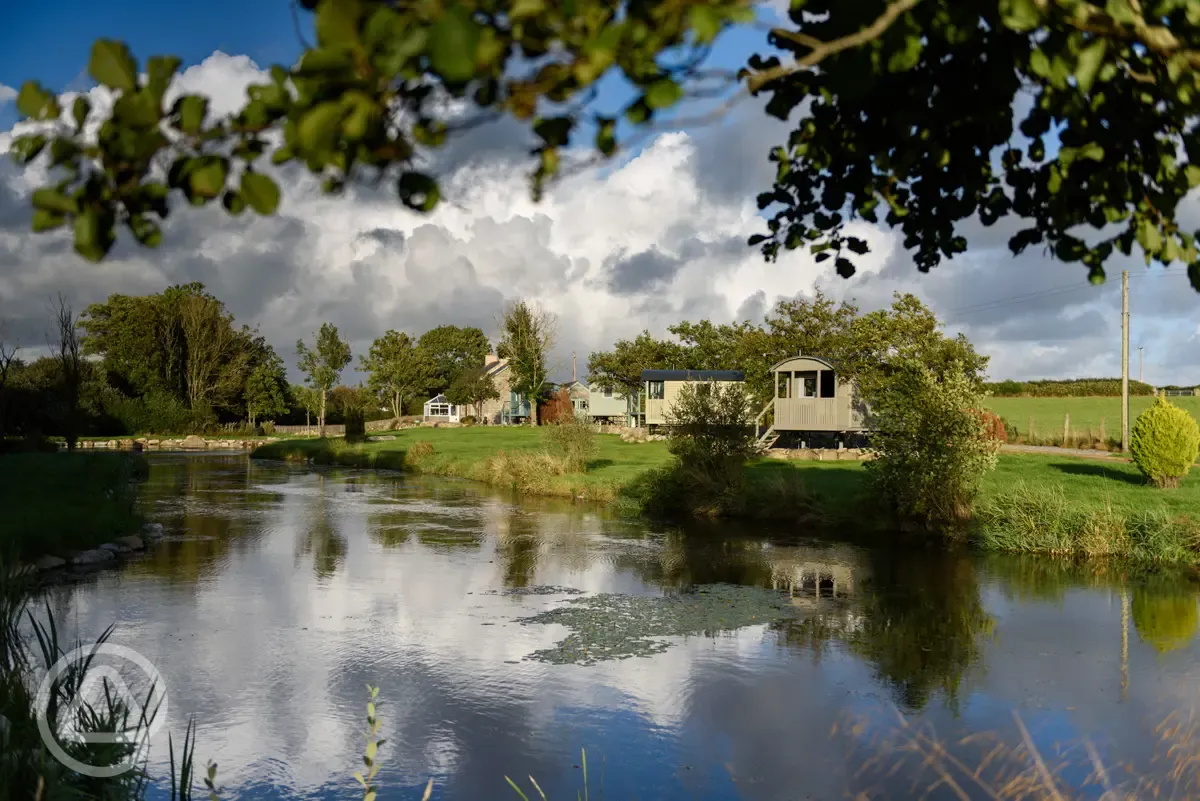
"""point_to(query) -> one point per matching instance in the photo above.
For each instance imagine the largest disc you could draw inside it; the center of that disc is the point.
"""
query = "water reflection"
(284, 591)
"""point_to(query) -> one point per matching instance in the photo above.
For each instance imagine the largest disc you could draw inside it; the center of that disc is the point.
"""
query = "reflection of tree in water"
(518, 548)
(689, 558)
(320, 539)
(922, 623)
(209, 540)
(1165, 615)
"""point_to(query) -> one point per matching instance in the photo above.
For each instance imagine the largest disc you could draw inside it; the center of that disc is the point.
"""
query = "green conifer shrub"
(1164, 443)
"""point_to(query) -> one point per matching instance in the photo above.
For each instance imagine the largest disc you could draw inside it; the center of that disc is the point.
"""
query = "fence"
(1182, 392)
(331, 430)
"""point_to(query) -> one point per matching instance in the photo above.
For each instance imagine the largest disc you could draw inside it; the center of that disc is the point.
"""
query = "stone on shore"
(194, 443)
(93, 557)
(132, 542)
(48, 562)
(152, 531)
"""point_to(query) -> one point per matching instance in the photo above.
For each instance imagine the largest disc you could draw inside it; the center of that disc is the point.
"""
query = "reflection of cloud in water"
(273, 657)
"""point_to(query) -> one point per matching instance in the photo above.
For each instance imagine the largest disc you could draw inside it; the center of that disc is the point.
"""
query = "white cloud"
(7, 95)
(654, 238)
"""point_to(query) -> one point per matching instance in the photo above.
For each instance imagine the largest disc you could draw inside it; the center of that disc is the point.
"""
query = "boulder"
(194, 443)
(48, 563)
(152, 531)
(112, 443)
(153, 443)
(132, 542)
(93, 557)
(113, 547)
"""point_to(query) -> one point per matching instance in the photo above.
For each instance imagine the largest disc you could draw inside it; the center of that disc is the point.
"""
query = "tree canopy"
(452, 349)
(397, 369)
(904, 113)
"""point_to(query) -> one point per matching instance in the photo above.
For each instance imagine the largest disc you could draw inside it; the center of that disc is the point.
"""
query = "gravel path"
(1080, 452)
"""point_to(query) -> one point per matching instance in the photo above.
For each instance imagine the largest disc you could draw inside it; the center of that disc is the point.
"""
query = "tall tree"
(620, 369)
(265, 396)
(308, 399)
(473, 387)
(451, 349)
(8, 359)
(528, 335)
(910, 107)
(397, 369)
(218, 355)
(65, 345)
(323, 365)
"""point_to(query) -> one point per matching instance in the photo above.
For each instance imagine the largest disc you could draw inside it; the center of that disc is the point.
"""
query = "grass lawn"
(1048, 414)
(55, 503)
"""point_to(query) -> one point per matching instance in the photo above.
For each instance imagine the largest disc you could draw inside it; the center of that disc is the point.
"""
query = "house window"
(440, 410)
(828, 384)
(806, 384)
(655, 390)
(608, 392)
(784, 385)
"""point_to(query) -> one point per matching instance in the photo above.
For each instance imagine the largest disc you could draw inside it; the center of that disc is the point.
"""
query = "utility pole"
(1125, 361)
(1140, 379)
(573, 376)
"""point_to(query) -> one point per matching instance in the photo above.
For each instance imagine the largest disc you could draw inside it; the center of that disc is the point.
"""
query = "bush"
(993, 425)
(157, 413)
(933, 447)
(709, 429)
(556, 408)
(1164, 443)
(356, 425)
(421, 449)
(468, 421)
(1073, 388)
(574, 439)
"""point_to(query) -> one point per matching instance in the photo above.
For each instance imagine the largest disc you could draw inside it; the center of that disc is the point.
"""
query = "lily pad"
(540, 589)
(613, 626)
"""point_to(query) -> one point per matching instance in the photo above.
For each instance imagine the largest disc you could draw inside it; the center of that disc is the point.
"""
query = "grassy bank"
(1088, 415)
(55, 503)
(1029, 504)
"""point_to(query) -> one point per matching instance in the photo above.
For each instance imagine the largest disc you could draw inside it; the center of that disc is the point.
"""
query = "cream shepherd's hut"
(811, 398)
(662, 388)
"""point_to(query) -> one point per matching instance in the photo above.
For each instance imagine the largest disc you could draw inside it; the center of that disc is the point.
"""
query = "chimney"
(490, 359)
(573, 378)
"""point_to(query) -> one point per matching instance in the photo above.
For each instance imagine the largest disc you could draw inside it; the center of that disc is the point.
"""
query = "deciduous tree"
(527, 337)
(910, 108)
(397, 369)
(64, 342)
(473, 387)
(265, 392)
(322, 365)
(451, 349)
(8, 359)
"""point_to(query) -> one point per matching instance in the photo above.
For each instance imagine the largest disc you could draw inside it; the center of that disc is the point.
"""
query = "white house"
(440, 409)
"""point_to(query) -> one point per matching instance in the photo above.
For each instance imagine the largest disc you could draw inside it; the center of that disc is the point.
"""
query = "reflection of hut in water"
(820, 580)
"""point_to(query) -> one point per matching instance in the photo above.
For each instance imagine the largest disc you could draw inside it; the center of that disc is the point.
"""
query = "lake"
(505, 636)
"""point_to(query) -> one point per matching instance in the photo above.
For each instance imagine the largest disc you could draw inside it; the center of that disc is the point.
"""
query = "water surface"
(282, 592)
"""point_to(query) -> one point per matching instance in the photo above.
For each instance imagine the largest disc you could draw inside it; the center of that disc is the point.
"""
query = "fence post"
(1029, 434)
(1067, 431)
(1103, 436)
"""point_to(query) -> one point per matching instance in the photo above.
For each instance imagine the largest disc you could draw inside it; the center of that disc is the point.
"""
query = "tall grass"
(59, 502)
(1039, 520)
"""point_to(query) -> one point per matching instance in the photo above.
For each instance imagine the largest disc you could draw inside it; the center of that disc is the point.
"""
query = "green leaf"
(844, 267)
(145, 231)
(26, 148)
(1194, 276)
(857, 245)
(1121, 11)
(261, 193)
(705, 21)
(37, 103)
(1020, 15)
(112, 64)
(207, 179)
(361, 113)
(1193, 176)
(46, 220)
(93, 235)
(908, 57)
(80, 111)
(452, 42)
(523, 9)
(159, 72)
(282, 155)
(663, 93)
(234, 202)
(606, 139)
(318, 129)
(191, 110)
(418, 191)
(49, 198)
(638, 111)
(1088, 65)
(1148, 236)
(337, 22)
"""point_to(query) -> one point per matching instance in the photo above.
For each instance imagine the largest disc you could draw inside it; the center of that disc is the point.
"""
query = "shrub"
(154, 413)
(1164, 443)
(356, 425)
(574, 439)
(710, 429)
(527, 472)
(993, 425)
(1073, 388)
(421, 449)
(933, 447)
(556, 408)
(469, 420)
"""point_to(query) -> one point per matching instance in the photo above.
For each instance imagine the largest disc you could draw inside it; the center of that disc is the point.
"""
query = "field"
(1087, 414)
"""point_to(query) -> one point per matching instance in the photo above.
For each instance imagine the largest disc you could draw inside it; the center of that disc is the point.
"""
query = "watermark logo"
(71, 699)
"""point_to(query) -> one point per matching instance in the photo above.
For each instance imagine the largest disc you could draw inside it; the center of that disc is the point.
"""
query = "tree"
(528, 335)
(909, 108)
(323, 365)
(67, 350)
(308, 399)
(397, 369)
(8, 359)
(621, 368)
(450, 350)
(218, 355)
(473, 387)
(264, 395)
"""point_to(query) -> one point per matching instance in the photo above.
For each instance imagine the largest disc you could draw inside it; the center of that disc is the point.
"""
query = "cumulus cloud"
(653, 238)
(7, 94)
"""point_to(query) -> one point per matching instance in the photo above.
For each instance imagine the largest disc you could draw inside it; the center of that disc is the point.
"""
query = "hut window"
(654, 390)
(608, 392)
(440, 410)
(806, 383)
(828, 384)
(784, 385)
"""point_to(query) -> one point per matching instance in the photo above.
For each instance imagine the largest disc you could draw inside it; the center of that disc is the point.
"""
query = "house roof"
(693, 375)
(439, 398)
(825, 362)
(496, 367)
